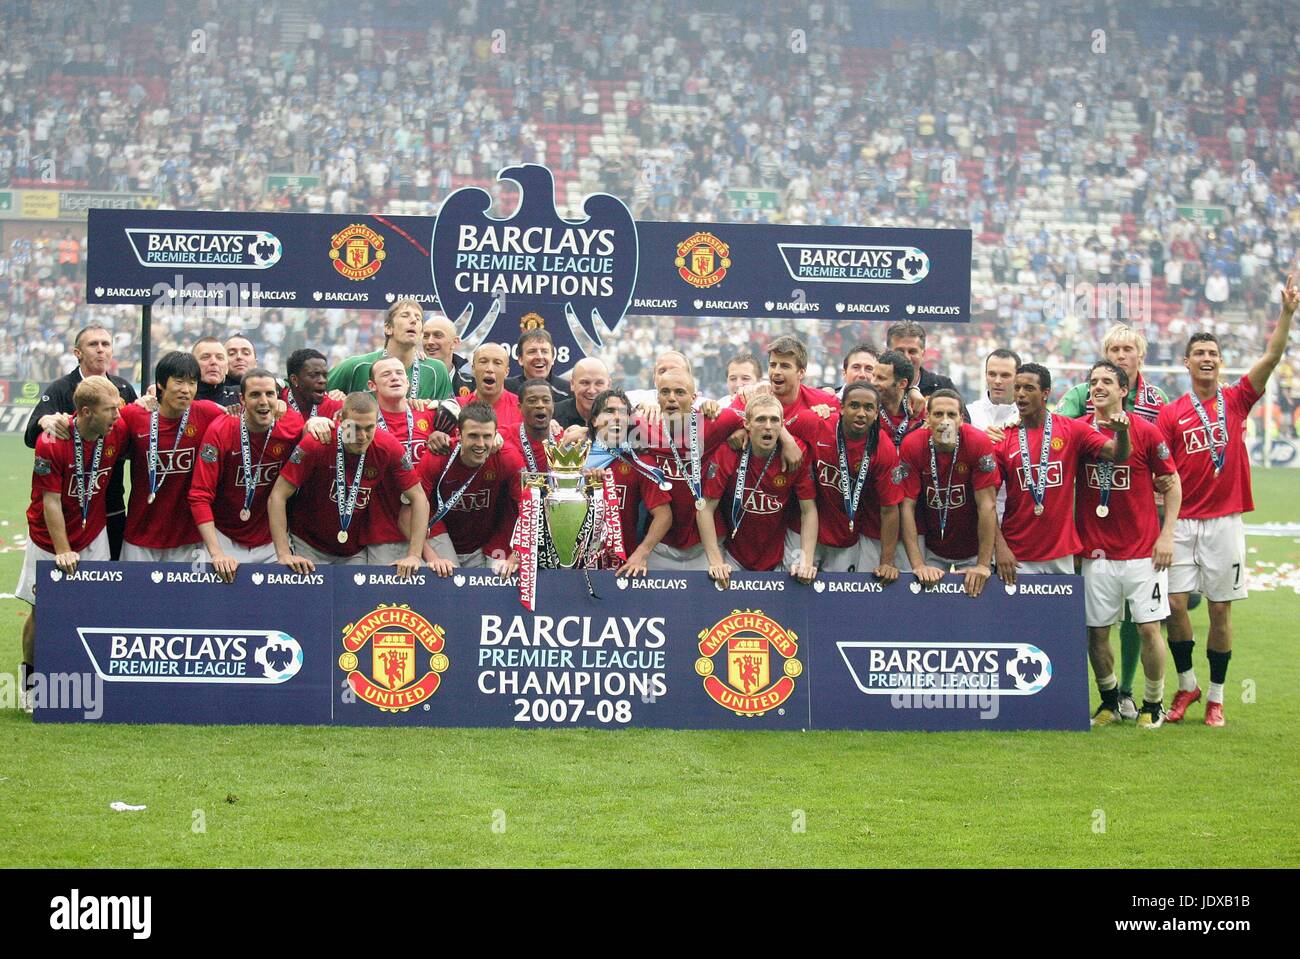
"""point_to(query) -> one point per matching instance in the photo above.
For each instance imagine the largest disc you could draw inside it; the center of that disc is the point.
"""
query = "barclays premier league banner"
(139, 643)
(495, 277)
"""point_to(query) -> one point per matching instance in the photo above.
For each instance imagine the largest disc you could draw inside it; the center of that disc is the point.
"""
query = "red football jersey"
(904, 422)
(515, 437)
(55, 471)
(759, 544)
(507, 409)
(314, 510)
(633, 489)
(976, 468)
(484, 518)
(217, 486)
(878, 490)
(421, 423)
(803, 401)
(1130, 529)
(683, 534)
(1052, 535)
(167, 523)
(1205, 495)
(326, 407)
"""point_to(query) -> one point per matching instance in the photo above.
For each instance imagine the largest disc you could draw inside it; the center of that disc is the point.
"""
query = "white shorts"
(828, 559)
(304, 549)
(96, 552)
(871, 554)
(192, 553)
(1109, 583)
(1210, 558)
(949, 565)
(664, 556)
(1061, 566)
(265, 553)
(385, 554)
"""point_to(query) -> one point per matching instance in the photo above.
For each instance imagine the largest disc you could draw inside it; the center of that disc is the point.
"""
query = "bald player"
(589, 378)
(490, 365)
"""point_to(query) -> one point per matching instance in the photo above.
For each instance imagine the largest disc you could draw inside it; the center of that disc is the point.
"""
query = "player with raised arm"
(1039, 459)
(1126, 551)
(1205, 430)
(754, 488)
(950, 480)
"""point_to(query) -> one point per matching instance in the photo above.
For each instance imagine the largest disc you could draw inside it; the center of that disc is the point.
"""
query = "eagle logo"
(535, 262)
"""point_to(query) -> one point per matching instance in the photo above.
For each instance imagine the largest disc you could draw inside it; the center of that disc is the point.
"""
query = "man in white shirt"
(997, 406)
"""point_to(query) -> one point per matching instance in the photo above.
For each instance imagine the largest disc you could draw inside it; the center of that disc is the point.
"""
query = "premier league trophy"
(568, 519)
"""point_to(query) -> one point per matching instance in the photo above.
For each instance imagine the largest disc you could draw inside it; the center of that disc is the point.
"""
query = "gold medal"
(245, 515)
(343, 536)
(1103, 511)
(1038, 509)
(152, 497)
(699, 503)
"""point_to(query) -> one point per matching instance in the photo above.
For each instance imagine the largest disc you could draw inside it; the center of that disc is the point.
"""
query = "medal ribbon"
(851, 499)
(528, 450)
(349, 503)
(613, 520)
(1036, 489)
(896, 432)
(85, 497)
(1217, 453)
(1105, 472)
(693, 478)
(738, 500)
(246, 459)
(410, 426)
(444, 507)
(293, 405)
(155, 484)
(946, 492)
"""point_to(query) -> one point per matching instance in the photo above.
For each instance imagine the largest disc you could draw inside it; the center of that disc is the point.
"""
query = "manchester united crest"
(397, 678)
(749, 640)
(702, 260)
(531, 321)
(357, 251)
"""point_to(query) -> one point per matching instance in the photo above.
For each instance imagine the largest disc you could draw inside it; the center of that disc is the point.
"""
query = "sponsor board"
(359, 646)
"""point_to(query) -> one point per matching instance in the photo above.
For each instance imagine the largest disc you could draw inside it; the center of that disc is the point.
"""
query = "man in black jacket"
(908, 337)
(536, 354)
(93, 349)
(214, 363)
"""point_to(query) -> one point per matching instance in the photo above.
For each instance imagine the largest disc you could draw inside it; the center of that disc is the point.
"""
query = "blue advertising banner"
(357, 646)
(167, 643)
(496, 277)
(1015, 658)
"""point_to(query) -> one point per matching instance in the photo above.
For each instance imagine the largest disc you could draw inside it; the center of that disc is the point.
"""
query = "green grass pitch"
(298, 796)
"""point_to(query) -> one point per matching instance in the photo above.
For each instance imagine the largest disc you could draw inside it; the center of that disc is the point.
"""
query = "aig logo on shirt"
(474, 501)
(363, 496)
(828, 475)
(760, 502)
(264, 474)
(956, 497)
(1118, 480)
(176, 461)
(1053, 475)
(1194, 438)
(96, 482)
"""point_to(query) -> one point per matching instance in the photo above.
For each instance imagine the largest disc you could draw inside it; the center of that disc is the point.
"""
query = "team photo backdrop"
(357, 646)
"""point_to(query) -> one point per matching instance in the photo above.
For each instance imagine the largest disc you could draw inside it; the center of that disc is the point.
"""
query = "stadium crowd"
(1065, 139)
